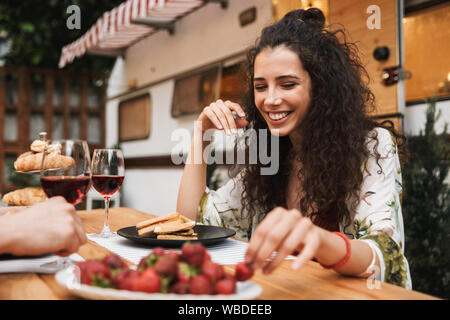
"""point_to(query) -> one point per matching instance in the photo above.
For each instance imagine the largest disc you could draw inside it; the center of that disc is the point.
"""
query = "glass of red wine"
(70, 177)
(108, 172)
(65, 171)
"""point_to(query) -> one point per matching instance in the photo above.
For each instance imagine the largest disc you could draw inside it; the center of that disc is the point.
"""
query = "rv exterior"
(205, 44)
(211, 37)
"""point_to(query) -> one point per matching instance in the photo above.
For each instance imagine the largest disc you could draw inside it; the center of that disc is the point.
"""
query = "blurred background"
(128, 74)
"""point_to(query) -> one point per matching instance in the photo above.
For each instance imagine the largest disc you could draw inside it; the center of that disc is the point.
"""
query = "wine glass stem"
(106, 224)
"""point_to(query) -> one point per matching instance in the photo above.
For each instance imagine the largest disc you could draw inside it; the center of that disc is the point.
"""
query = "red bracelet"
(347, 255)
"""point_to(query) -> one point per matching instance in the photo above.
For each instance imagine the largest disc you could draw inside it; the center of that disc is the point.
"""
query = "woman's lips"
(278, 117)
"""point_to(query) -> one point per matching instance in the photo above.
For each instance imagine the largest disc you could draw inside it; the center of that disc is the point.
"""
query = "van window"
(195, 91)
(426, 34)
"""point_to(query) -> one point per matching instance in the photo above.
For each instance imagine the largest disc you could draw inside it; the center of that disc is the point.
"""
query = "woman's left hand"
(283, 231)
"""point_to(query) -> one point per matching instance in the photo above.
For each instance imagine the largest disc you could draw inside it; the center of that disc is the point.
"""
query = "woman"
(336, 197)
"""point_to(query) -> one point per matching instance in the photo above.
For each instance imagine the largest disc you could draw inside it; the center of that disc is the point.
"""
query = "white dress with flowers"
(377, 220)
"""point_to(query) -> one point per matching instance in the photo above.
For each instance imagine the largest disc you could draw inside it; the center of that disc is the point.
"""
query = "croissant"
(24, 197)
(32, 161)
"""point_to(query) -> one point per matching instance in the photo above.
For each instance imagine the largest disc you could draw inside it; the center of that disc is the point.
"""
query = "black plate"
(207, 235)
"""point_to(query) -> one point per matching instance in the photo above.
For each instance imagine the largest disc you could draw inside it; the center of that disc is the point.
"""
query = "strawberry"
(193, 253)
(185, 272)
(113, 261)
(207, 255)
(158, 251)
(95, 273)
(229, 276)
(82, 266)
(148, 282)
(124, 279)
(147, 262)
(180, 288)
(225, 286)
(212, 270)
(173, 254)
(243, 271)
(200, 284)
(166, 266)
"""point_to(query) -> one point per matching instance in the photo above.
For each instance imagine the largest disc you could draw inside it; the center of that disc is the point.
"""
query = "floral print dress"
(377, 220)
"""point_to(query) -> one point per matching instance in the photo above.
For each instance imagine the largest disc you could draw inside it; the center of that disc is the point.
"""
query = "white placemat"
(228, 251)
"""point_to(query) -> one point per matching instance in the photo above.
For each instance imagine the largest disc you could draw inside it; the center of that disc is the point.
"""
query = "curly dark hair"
(334, 131)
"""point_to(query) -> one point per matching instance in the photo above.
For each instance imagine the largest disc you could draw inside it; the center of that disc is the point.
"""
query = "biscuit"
(173, 228)
(175, 237)
(155, 220)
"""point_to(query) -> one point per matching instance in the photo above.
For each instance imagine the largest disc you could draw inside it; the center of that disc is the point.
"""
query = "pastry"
(25, 197)
(32, 160)
(28, 162)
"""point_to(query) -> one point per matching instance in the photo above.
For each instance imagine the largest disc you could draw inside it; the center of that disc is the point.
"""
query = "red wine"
(107, 185)
(73, 189)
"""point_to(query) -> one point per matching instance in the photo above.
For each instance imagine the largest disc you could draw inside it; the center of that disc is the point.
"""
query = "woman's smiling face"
(282, 89)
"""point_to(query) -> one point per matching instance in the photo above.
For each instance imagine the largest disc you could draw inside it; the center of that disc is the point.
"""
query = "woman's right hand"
(218, 115)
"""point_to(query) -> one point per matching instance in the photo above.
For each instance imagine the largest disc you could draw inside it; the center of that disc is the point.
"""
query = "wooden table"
(311, 282)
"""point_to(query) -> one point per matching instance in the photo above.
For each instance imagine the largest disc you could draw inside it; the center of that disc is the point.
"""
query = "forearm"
(333, 249)
(193, 181)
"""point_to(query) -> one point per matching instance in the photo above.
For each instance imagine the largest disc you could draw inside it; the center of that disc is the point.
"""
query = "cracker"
(174, 228)
(149, 230)
(154, 220)
(174, 237)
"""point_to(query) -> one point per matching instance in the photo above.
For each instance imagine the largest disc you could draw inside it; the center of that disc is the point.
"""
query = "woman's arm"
(378, 225)
(333, 249)
(193, 181)
(285, 231)
(217, 115)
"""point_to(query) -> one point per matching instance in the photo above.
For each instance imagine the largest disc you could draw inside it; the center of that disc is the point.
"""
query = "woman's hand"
(283, 231)
(48, 227)
(218, 115)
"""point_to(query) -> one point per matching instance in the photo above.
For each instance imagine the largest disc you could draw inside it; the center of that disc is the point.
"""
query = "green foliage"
(37, 32)
(426, 208)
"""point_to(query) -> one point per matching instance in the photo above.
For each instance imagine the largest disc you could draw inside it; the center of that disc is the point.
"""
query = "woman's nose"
(272, 98)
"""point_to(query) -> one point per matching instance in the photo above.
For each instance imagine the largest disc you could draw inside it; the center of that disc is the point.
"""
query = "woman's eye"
(260, 87)
(288, 85)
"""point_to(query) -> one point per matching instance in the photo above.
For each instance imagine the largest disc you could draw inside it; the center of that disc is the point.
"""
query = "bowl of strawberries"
(162, 274)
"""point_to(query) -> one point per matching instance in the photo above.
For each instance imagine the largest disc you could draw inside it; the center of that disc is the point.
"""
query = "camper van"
(161, 82)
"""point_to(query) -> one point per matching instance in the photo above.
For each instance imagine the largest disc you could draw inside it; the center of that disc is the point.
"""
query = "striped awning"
(128, 23)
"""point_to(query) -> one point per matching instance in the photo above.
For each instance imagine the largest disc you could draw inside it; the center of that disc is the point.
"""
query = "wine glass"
(65, 171)
(108, 172)
(69, 176)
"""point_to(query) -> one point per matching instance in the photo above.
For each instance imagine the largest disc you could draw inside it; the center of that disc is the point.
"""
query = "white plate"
(69, 280)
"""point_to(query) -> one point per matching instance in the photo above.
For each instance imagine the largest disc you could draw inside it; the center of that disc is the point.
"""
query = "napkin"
(229, 251)
(25, 264)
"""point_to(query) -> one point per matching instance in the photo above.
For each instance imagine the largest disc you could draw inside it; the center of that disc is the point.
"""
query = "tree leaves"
(427, 209)
(38, 32)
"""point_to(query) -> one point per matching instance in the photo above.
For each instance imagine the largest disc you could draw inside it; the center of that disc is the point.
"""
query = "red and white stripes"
(115, 29)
